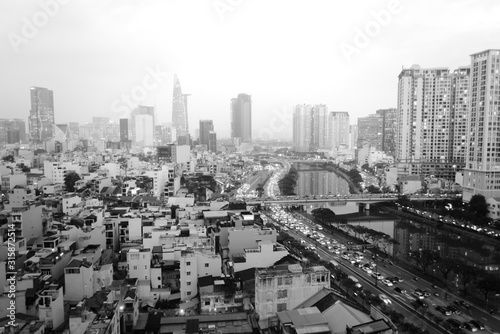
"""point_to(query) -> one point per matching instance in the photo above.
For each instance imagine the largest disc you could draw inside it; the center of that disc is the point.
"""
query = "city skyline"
(293, 75)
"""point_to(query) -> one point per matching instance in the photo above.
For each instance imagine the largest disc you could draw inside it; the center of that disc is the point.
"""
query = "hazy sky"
(95, 53)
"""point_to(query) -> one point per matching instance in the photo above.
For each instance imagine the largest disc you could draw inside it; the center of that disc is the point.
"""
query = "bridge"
(358, 198)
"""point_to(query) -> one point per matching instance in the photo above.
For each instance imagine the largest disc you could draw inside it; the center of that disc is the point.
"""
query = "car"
(398, 289)
(426, 293)
(415, 278)
(478, 324)
(387, 282)
(454, 310)
(443, 310)
(470, 327)
(455, 323)
(385, 299)
(421, 302)
(417, 295)
(462, 303)
(367, 270)
(400, 280)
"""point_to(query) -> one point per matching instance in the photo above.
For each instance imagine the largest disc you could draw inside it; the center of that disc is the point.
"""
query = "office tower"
(144, 130)
(370, 132)
(206, 126)
(389, 124)
(212, 141)
(140, 110)
(339, 130)
(179, 110)
(482, 169)
(184, 140)
(41, 119)
(430, 105)
(123, 130)
(241, 118)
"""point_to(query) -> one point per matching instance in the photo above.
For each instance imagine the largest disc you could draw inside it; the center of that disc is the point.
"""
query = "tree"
(478, 206)
(70, 180)
(323, 215)
(260, 189)
(425, 258)
(467, 275)
(446, 266)
(8, 158)
(373, 189)
(488, 283)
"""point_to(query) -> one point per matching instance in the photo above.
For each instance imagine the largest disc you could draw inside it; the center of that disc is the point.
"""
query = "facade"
(144, 129)
(311, 128)
(389, 123)
(179, 110)
(339, 130)
(206, 126)
(12, 131)
(431, 116)
(482, 169)
(195, 263)
(282, 288)
(212, 141)
(41, 116)
(370, 131)
(241, 118)
(124, 130)
(27, 221)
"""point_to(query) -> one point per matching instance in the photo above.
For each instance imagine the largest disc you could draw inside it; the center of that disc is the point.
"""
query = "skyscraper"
(123, 130)
(12, 131)
(311, 128)
(212, 141)
(41, 119)
(339, 130)
(144, 130)
(370, 131)
(206, 126)
(482, 169)
(430, 111)
(388, 129)
(140, 110)
(241, 118)
(179, 110)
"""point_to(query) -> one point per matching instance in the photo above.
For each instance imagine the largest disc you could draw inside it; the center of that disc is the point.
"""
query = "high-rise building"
(140, 110)
(124, 130)
(431, 109)
(12, 131)
(179, 110)
(353, 136)
(482, 168)
(144, 130)
(311, 128)
(389, 123)
(339, 130)
(206, 125)
(212, 141)
(370, 132)
(241, 118)
(73, 130)
(41, 119)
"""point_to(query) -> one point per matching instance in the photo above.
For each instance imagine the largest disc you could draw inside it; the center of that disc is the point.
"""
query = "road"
(401, 302)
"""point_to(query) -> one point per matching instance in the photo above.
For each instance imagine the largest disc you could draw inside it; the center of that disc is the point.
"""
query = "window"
(188, 263)
(188, 283)
(188, 273)
(282, 293)
(146, 266)
(135, 267)
(73, 271)
(207, 302)
(281, 307)
(206, 265)
(188, 293)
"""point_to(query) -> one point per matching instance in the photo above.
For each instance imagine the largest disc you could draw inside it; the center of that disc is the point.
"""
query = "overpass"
(358, 198)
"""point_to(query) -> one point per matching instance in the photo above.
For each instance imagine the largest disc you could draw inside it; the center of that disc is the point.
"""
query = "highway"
(401, 302)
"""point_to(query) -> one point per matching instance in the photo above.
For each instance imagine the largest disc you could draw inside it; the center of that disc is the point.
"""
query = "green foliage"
(70, 180)
(425, 258)
(8, 158)
(477, 206)
(324, 215)
(288, 182)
